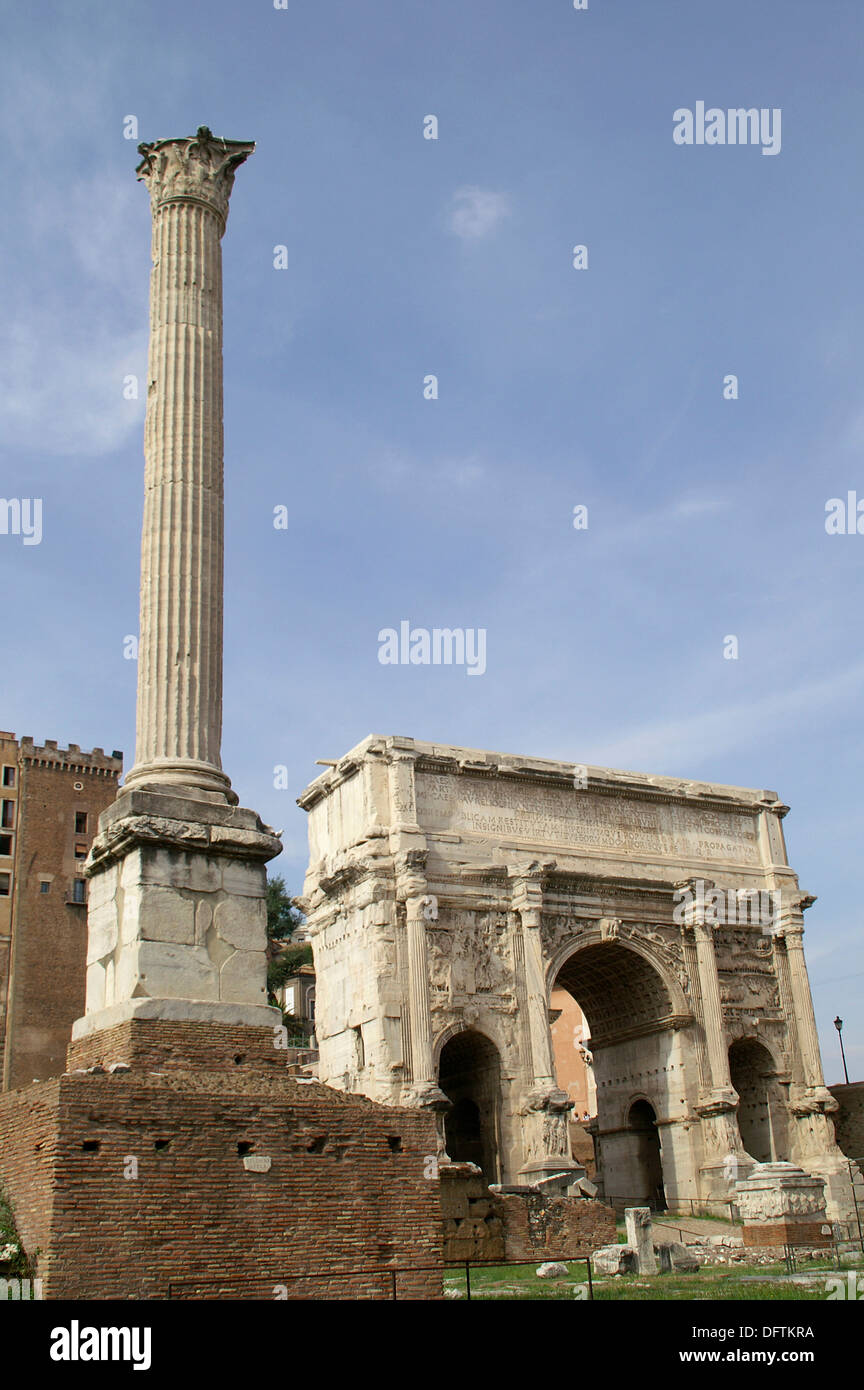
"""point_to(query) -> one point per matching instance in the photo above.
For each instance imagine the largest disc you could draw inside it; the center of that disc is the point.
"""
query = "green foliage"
(283, 918)
(19, 1266)
(285, 964)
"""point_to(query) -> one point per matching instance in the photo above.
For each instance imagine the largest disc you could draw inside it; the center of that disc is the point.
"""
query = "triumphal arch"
(450, 891)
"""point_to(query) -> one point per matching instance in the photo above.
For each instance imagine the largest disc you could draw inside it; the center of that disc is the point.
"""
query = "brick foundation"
(346, 1187)
(786, 1233)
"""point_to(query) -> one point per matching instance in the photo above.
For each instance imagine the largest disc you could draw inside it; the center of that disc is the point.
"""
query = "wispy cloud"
(674, 744)
(75, 309)
(476, 212)
(394, 470)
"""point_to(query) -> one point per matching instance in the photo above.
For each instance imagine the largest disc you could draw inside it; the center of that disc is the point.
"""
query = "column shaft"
(179, 718)
(180, 647)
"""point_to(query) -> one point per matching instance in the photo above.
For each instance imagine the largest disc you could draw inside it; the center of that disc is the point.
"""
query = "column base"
(186, 775)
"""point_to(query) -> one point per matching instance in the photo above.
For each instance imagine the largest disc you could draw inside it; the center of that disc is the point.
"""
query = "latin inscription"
(507, 810)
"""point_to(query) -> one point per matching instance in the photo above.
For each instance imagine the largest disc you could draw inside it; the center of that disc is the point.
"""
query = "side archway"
(469, 1074)
(762, 1111)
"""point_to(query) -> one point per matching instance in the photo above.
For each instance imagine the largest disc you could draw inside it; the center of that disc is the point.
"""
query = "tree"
(283, 919)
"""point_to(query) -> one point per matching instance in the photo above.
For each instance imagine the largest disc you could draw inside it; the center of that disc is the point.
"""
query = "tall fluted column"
(813, 1143)
(527, 900)
(545, 1107)
(791, 934)
(718, 1101)
(179, 720)
(177, 913)
(408, 847)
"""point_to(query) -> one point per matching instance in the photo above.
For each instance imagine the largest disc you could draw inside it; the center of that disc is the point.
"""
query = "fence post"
(393, 1279)
(468, 1280)
(590, 1281)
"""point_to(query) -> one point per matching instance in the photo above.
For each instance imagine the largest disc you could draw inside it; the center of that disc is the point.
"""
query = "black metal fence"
(386, 1277)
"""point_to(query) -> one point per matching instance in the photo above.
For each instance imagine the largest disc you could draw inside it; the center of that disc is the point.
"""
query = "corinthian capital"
(196, 168)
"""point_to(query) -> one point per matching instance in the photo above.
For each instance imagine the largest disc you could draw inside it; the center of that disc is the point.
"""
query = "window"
(5, 885)
(80, 822)
(80, 851)
(7, 814)
(44, 887)
(8, 776)
(79, 891)
(6, 846)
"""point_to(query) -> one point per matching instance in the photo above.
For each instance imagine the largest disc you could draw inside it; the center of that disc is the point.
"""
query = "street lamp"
(838, 1024)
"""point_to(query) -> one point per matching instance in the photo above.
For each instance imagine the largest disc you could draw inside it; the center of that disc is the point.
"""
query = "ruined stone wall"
(849, 1119)
(483, 1225)
(347, 1185)
(545, 1228)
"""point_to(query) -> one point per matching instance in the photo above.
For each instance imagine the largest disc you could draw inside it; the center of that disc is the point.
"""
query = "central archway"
(469, 1074)
(635, 1061)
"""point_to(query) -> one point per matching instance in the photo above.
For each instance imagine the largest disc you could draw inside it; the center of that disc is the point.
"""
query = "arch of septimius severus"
(449, 890)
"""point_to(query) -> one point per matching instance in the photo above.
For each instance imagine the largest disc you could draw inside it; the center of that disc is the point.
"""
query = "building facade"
(50, 802)
(451, 890)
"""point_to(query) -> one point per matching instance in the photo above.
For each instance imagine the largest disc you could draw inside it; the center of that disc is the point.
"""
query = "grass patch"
(714, 1284)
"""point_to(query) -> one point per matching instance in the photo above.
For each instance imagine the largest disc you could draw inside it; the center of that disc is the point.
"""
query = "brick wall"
(28, 1151)
(346, 1188)
(543, 1228)
(849, 1119)
(47, 969)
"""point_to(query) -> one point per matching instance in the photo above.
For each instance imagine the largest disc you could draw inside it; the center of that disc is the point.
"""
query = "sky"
(602, 387)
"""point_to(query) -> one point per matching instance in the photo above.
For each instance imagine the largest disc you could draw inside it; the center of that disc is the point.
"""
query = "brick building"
(50, 802)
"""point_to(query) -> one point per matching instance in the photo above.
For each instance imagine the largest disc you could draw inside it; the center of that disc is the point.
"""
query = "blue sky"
(557, 387)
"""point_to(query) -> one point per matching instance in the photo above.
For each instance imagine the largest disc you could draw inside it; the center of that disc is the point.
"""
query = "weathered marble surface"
(449, 889)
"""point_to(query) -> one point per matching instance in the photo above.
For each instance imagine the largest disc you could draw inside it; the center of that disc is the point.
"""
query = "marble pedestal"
(780, 1204)
(177, 912)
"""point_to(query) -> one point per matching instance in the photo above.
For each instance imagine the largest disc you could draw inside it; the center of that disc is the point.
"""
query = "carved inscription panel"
(582, 820)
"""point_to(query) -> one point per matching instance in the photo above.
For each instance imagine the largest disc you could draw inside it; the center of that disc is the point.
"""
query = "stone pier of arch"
(449, 891)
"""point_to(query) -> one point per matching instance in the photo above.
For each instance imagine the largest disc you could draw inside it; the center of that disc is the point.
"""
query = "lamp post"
(838, 1024)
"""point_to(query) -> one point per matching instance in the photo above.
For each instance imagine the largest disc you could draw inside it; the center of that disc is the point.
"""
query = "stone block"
(164, 915)
(640, 1237)
(242, 979)
(244, 880)
(102, 931)
(96, 985)
(176, 972)
(203, 922)
(126, 979)
(673, 1256)
(243, 923)
(614, 1259)
(552, 1269)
